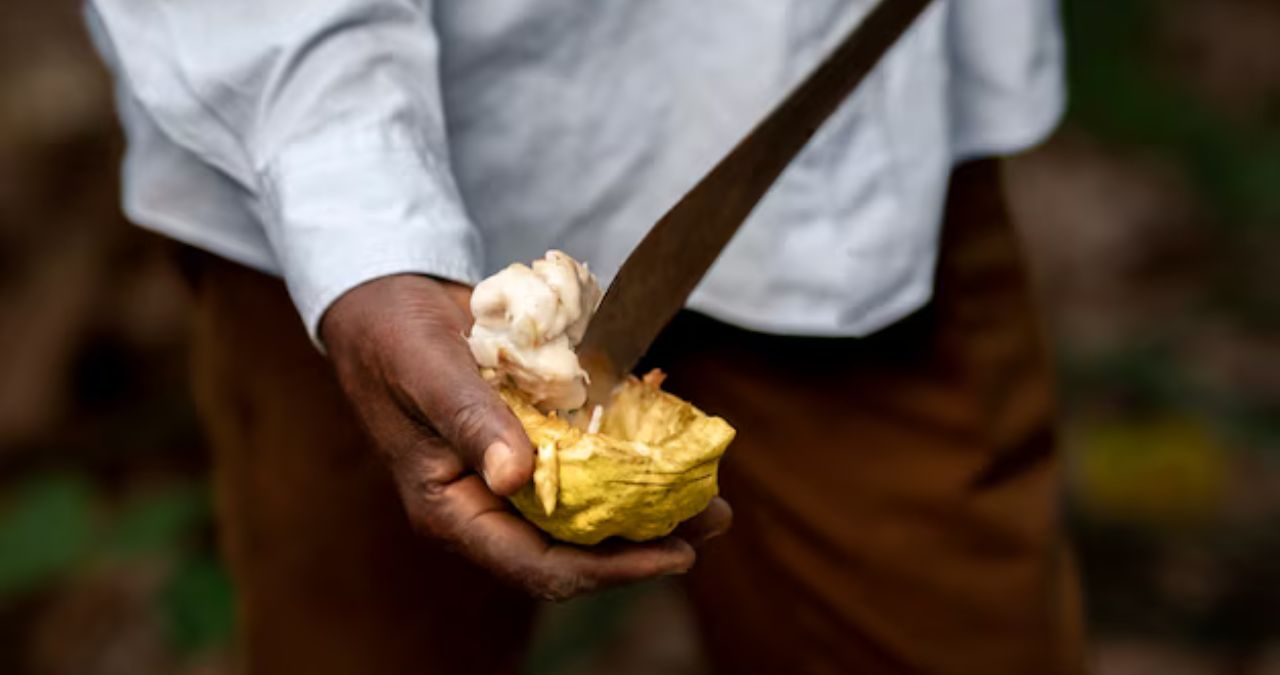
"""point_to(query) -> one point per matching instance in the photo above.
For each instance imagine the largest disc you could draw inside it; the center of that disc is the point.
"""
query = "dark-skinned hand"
(456, 450)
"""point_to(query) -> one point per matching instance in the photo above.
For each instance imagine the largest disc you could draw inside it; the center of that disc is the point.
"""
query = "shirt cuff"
(337, 222)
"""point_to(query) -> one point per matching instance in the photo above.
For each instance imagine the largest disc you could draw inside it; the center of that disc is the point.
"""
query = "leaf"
(200, 604)
(47, 527)
(159, 521)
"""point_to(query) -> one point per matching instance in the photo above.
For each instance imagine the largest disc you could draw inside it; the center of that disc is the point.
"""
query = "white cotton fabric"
(336, 141)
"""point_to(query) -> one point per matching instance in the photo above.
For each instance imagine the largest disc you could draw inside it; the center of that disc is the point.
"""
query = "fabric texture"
(895, 497)
(335, 141)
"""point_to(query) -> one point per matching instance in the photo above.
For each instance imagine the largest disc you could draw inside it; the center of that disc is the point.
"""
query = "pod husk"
(651, 466)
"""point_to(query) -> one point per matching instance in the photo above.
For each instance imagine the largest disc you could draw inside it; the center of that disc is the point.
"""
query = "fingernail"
(678, 571)
(495, 456)
(684, 547)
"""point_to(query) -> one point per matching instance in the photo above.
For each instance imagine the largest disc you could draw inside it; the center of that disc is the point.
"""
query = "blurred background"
(1153, 222)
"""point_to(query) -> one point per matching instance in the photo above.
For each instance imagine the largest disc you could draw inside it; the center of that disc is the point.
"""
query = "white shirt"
(336, 141)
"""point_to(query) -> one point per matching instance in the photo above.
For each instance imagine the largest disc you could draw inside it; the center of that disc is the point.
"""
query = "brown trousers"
(896, 497)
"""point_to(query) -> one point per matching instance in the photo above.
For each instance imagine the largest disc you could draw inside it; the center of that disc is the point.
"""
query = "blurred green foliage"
(53, 527)
(46, 528)
(199, 605)
(1123, 92)
(154, 523)
(1158, 451)
(1147, 377)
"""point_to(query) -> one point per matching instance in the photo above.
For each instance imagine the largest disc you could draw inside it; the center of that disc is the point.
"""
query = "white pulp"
(528, 320)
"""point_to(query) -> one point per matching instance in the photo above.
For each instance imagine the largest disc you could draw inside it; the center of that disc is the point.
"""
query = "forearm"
(326, 112)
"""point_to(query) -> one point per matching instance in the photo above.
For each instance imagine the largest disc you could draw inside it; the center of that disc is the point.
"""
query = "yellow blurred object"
(1164, 471)
(651, 466)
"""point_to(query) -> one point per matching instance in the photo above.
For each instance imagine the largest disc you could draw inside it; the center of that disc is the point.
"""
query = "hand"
(455, 449)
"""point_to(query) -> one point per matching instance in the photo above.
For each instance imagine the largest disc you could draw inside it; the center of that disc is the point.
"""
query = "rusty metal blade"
(657, 278)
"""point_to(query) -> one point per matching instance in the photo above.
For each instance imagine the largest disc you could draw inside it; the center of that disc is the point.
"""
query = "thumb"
(479, 426)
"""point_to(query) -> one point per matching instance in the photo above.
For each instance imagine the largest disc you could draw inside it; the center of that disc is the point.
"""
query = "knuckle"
(428, 487)
(470, 419)
(419, 497)
(558, 587)
(552, 583)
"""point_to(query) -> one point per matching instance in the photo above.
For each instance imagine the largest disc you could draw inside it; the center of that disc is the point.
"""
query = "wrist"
(386, 301)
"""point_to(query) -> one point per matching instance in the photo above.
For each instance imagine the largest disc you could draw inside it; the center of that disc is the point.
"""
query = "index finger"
(484, 530)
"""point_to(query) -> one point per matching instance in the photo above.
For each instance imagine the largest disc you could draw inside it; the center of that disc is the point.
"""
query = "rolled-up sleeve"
(327, 111)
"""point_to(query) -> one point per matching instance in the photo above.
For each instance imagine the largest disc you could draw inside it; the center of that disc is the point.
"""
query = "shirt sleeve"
(1008, 88)
(327, 112)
